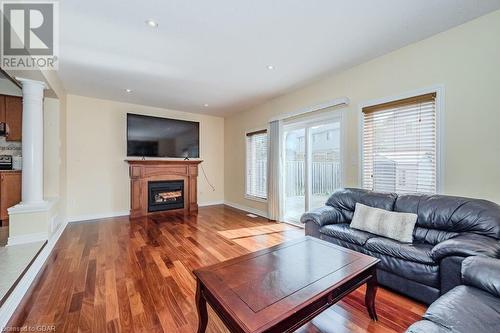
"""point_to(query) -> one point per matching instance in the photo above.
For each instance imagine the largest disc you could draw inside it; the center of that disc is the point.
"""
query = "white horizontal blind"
(400, 146)
(256, 178)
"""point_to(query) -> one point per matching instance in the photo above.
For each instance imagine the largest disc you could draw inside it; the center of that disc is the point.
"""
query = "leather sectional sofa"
(472, 307)
(448, 230)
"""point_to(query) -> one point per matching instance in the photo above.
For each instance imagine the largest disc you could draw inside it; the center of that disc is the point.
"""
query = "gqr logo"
(29, 35)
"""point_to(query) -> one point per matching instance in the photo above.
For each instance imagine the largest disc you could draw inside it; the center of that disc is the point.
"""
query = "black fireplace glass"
(165, 195)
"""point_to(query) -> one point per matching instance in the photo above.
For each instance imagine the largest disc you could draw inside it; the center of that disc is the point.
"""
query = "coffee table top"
(262, 288)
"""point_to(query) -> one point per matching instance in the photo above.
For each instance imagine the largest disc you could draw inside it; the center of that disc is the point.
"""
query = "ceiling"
(217, 52)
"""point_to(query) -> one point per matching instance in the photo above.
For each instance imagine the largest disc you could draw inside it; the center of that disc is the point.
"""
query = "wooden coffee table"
(283, 287)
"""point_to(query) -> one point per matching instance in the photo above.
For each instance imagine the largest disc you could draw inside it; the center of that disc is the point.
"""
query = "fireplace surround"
(160, 180)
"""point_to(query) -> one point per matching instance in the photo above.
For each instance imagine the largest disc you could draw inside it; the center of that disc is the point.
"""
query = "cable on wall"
(206, 178)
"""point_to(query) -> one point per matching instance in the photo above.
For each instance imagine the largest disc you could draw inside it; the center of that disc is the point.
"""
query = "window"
(400, 146)
(256, 180)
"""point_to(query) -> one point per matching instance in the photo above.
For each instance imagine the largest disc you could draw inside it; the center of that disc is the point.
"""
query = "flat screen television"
(162, 137)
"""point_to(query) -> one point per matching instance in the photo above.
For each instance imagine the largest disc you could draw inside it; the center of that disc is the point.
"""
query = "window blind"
(256, 161)
(400, 146)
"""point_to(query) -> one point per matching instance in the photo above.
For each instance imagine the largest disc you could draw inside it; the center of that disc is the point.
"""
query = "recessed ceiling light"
(205, 105)
(270, 67)
(128, 90)
(151, 23)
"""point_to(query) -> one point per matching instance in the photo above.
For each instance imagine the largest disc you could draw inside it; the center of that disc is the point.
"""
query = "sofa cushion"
(432, 236)
(452, 214)
(466, 309)
(346, 233)
(418, 272)
(416, 252)
(344, 200)
(394, 225)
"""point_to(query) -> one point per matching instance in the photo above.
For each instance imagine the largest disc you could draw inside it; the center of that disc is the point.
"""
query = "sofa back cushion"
(432, 236)
(441, 217)
(344, 201)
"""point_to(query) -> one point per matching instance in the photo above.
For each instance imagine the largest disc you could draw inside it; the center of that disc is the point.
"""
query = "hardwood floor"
(118, 275)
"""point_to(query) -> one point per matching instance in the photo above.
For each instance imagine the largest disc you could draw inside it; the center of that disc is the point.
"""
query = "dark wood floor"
(119, 275)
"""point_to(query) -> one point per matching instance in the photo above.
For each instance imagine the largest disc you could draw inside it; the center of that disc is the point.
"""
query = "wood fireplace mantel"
(143, 171)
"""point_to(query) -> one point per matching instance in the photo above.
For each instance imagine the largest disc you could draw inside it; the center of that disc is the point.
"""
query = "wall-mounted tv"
(162, 137)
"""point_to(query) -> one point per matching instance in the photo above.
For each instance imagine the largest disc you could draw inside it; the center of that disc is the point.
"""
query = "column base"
(32, 222)
(31, 207)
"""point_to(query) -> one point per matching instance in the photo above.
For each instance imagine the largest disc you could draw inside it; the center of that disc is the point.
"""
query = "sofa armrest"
(482, 273)
(321, 216)
(467, 245)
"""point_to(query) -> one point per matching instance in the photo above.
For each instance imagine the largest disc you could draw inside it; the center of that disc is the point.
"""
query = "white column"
(32, 143)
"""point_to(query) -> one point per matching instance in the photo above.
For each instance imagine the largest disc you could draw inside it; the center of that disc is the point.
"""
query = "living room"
(272, 166)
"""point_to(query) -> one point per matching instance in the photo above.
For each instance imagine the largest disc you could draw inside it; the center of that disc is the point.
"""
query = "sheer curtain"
(274, 170)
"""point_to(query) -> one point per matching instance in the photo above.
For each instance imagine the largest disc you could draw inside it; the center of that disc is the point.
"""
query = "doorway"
(312, 164)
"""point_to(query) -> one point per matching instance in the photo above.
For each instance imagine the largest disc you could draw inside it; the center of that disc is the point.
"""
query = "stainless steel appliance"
(5, 162)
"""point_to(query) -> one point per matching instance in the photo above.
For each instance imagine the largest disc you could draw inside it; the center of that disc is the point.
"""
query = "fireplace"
(165, 195)
(144, 172)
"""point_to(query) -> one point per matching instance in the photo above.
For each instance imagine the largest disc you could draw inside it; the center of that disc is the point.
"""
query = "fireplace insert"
(165, 195)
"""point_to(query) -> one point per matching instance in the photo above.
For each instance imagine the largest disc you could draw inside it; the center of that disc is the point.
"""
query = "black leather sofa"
(472, 307)
(448, 230)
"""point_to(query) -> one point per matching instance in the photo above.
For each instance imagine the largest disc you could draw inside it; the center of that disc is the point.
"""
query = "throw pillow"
(394, 225)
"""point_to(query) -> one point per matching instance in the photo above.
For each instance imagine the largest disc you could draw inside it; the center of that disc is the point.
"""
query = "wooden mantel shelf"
(144, 171)
(156, 162)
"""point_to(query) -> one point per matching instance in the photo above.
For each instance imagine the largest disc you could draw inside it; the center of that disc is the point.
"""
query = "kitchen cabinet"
(14, 117)
(2, 109)
(10, 192)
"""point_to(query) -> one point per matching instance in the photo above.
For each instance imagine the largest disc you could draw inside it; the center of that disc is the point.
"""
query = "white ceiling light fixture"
(270, 67)
(151, 23)
(205, 105)
(128, 90)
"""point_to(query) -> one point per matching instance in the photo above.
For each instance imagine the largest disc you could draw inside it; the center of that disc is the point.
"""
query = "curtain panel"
(274, 185)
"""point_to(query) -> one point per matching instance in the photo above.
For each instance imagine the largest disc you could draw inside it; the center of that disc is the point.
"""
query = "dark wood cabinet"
(10, 192)
(14, 117)
(2, 109)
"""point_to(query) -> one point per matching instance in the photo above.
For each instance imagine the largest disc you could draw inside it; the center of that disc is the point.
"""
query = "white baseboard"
(27, 238)
(211, 203)
(246, 209)
(15, 298)
(87, 217)
(54, 223)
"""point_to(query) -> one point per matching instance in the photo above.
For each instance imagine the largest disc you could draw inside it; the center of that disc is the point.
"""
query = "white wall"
(98, 182)
(465, 59)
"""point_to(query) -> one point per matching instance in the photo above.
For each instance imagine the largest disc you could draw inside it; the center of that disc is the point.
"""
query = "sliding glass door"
(312, 165)
(295, 174)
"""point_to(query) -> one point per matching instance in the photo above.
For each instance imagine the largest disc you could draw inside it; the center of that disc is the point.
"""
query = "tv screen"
(162, 137)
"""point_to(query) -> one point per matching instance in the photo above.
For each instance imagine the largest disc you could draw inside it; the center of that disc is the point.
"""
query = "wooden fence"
(325, 177)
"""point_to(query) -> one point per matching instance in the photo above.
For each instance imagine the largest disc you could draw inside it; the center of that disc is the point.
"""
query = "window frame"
(439, 91)
(247, 195)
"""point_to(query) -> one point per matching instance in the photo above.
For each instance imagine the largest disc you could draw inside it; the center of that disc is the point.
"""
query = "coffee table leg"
(201, 306)
(371, 291)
